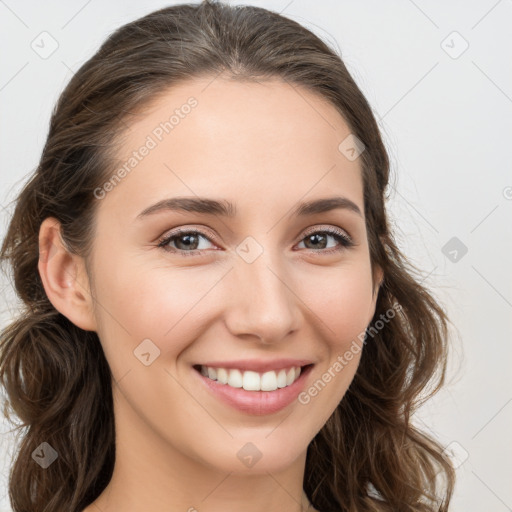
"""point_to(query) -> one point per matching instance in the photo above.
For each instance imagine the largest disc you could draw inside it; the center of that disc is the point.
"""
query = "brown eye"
(318, 240)
(186, 242)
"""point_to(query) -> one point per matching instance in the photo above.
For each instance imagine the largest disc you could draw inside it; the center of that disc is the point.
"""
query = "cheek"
(143, 302)
(341, 299)
(343, 307)
(351, 310)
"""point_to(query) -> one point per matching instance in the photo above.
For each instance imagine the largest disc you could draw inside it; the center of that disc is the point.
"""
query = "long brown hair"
(368, 456)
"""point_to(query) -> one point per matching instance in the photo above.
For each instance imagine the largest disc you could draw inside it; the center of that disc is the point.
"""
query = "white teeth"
(222, 376)
(235, 378)
(281, 379)
(253, 381)
(290, 376)
(268, 381)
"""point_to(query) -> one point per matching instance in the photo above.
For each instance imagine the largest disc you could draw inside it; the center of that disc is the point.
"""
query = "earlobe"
(64, 277)
(378, 279)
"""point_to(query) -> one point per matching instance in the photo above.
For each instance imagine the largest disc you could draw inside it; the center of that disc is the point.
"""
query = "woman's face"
(264, 285)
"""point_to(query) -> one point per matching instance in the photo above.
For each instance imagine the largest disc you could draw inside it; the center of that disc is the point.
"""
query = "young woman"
(216, 314)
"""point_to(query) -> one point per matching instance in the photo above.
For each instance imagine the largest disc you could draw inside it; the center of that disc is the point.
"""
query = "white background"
(447, 122)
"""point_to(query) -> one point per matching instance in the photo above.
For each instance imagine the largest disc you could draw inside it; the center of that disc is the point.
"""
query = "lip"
(256, 403)
(257, 365)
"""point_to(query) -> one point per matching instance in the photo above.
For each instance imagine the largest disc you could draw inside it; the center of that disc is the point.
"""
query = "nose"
(262, 302)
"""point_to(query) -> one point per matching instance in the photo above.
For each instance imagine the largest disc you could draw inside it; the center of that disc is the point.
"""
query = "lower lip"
(257, 402)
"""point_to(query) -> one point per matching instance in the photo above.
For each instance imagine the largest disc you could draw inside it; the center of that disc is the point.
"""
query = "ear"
(64, 277)
(378, 277)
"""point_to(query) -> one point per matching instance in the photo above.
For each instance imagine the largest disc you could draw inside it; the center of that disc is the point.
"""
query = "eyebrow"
(225, 208)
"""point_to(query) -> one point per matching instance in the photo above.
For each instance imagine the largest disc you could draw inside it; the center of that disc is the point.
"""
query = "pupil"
(316, 235)
(187, 240)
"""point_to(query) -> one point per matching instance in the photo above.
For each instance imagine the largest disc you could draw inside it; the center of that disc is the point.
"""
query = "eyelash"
(345, 241)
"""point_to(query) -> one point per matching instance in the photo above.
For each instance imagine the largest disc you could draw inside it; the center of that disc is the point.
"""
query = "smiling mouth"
(253, 381)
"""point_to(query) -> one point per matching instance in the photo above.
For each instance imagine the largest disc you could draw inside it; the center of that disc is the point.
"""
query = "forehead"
(212, 136)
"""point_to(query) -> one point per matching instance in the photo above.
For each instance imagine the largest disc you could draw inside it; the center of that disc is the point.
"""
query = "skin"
(265, 147)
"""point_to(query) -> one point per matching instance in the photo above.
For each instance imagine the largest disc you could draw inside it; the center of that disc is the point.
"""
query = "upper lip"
(258, 365)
